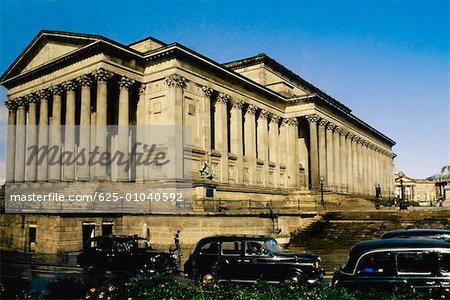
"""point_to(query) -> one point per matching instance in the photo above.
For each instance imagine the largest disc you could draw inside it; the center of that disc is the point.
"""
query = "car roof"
(116, 237)
(227, 238)
(415, 232)
(397, 243)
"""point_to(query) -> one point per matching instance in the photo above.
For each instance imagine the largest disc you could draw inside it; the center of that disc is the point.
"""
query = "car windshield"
(273, 246)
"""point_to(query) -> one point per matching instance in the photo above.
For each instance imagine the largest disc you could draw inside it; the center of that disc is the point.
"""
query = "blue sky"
(389, 61)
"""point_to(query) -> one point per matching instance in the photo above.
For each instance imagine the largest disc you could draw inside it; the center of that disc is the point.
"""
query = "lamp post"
(389, 195)
(322, 202)
(403, 204)
(377, 195)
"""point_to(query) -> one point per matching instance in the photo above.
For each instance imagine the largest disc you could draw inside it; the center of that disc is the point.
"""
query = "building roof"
(91, 43)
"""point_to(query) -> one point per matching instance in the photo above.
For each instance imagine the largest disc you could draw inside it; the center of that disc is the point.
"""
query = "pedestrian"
(177, 244)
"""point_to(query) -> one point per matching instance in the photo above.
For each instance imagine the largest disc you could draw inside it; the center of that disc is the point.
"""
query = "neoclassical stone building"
(264, 132)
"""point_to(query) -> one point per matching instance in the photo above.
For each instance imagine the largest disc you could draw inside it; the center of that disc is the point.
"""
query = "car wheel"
(295, 277)
(207, 278)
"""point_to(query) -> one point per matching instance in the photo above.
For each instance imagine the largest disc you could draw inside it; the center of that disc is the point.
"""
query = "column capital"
(275, 118)
(69, 85)
(350, 135)
(343, 132)
(264, 114)
(84, 80)
(102, 75)
(142, 88)
(355, 138)
(11, 105)
(291, 121)
(21, 102)
(238, 104)
(176, 80)
(125, 82)
(56, 90)
(331, 126)
(207, 90)
(361, 141)
(43, 94)
(222, 98)
(313, 118)
(31, 98)
(323, 122)
(337, 129)
(251, 109)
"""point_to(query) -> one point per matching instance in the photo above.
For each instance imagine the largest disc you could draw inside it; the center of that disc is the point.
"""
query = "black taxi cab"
(396, 263)
(124, 253)
(249, 258)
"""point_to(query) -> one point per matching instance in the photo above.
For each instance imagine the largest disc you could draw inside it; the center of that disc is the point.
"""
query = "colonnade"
(25, 113)
(347, 161)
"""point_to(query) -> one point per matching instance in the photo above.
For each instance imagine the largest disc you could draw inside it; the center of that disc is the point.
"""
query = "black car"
(396, 263)
(124, 253)
(245, 258)
(415, 233)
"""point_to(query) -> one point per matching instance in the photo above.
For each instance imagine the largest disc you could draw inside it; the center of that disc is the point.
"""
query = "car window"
(414, 263)
(377, 264)
(100, 245)
(255, 248)
(444, 262)
(210, 248)
(231, 248)
(120, 246)
(273, 245)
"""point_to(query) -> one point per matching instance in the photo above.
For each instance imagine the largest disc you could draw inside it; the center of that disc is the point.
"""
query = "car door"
(257, 262)
(418, 269)
(231, 261)
(374, 271)
(207, 258)
(444, 269)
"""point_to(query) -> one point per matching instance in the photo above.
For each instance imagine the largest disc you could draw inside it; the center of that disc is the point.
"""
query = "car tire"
(207, 278)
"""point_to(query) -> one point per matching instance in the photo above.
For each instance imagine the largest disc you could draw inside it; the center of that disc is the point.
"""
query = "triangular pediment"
(46, 47)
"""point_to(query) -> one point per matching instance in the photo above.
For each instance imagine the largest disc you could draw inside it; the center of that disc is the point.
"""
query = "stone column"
(206, 118)
(11, 142)
(220, 133)
(366, 168)
(314, 151)
(355, 167)
(263, 144)
(69, 132)
(337, 159)
(123, 128)
(282, 150)
(102, 76)
(350, 175)
(237, 138)
(20, 140)
(31, 161)
(360, 154)
(141, 132)
(54, 173)
(323, 151)
(83, 170)
(292, 166)
(42, 170)
(370, 169)
(250, 141)
(330, 152)
(344, 165)
(274, 142)
(175, 95)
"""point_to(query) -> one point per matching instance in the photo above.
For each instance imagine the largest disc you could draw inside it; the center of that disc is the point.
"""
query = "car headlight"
(153, 259)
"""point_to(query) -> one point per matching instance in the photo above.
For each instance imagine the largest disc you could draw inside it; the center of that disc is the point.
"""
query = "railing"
(246, 205)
